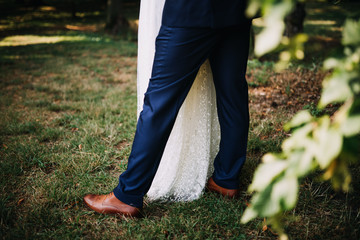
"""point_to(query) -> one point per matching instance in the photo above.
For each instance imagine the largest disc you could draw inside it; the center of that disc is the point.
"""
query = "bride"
(187, 161)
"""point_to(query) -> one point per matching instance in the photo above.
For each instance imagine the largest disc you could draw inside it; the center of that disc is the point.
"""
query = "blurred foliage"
(271, 37)
(326, 143)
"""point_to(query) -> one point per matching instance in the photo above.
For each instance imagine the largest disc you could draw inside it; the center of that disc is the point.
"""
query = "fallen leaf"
(20, 201)
(264, 228)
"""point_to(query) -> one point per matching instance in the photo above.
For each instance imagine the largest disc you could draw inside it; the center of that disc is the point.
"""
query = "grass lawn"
(68, 116)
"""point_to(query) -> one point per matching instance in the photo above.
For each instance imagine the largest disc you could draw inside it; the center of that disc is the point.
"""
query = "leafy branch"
(328, 143)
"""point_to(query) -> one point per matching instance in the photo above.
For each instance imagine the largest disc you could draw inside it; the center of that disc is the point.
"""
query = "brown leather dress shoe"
(109, 204)
(213, 187)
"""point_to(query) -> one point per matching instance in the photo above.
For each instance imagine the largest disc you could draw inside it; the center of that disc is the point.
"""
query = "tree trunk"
(36, 3)
(115, 20)
(295, 20)
(73, 8)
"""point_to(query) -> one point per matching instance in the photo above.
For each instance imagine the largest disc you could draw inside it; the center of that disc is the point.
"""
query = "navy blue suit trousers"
(179, 54)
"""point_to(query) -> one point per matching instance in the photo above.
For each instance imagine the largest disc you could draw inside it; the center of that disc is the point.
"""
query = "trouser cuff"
(132, 200)
(227, 184)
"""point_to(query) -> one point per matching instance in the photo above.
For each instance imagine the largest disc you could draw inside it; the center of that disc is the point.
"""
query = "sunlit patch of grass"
(320, 22)
(20, 40)
(47, 8)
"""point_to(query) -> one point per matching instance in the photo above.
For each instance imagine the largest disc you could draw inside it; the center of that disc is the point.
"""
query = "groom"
(191, 32)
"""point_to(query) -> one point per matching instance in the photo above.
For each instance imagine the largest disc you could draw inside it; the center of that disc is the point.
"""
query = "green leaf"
(329, 142)
(331, 63)
(336, 88)
(285, 192)
(306, 163)
(299, 139)
(263, 204)
(300, 118)
(301, 162)
(351, 126)
(265, 174)
(351, 33)
(271, 36)
(249, 215)
(253, 8)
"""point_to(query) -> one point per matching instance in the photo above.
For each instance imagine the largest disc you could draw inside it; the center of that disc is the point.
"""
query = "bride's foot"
(213, 187)
(109, 204)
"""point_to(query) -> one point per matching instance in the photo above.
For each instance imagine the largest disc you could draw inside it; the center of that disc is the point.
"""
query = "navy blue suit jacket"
(204, 13)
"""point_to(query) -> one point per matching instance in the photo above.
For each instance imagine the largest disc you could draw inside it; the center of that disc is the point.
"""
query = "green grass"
(68, 116)
(259, 73)
(64, 110)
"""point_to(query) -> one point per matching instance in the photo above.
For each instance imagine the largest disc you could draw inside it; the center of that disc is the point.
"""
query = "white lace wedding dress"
(188, 157)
